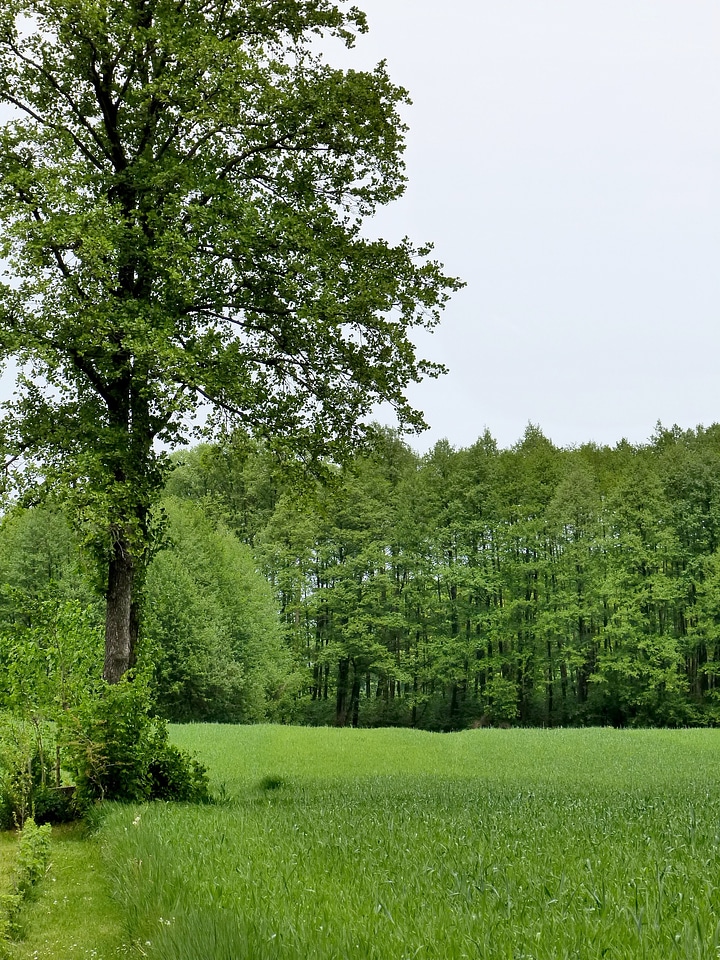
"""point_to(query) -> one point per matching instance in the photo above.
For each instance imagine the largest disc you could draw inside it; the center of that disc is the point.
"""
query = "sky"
(564, 158)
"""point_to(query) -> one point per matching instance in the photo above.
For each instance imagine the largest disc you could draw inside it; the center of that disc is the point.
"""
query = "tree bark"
(341, 703)
(355, 699)
(120, 615)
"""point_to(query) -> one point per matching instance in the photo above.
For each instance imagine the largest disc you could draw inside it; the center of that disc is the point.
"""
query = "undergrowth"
(33, 855)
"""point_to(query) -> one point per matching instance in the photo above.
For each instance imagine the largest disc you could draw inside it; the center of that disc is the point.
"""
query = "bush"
(118, 750)
(19, 773)
(31, 866)
(28, 776)
(177, 776)
(33, 856)
(52, 804)
(25, 769)
(502, 700)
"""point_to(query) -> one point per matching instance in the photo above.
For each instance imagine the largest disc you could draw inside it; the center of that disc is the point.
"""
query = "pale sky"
(564, 156)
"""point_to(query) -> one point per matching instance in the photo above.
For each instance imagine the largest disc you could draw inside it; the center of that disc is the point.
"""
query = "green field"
(517, 844)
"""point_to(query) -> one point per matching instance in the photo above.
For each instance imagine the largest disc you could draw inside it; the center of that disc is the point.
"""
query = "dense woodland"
(533, 585)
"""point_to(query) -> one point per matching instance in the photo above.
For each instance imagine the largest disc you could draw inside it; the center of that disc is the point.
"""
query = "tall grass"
(394, 844)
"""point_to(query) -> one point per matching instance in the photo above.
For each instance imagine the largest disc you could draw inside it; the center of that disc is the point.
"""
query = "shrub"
(118, 750)
(24, 770)
(31, 866)
(53, 804)
(177, 776)
(29, 778)
(33, 856)
(502, 696)
(18, 773)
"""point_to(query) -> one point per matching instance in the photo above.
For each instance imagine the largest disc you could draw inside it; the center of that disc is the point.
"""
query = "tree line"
(464, 587)
(531, 585)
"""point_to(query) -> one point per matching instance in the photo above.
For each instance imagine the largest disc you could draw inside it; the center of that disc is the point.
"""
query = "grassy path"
(70, 915)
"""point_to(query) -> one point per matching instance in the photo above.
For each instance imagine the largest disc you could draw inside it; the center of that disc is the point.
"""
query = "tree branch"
(74, 108)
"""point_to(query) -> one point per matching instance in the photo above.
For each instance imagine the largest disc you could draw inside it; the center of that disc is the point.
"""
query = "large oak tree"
(183, 185)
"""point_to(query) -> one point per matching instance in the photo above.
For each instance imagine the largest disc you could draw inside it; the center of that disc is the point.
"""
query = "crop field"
(517, 844)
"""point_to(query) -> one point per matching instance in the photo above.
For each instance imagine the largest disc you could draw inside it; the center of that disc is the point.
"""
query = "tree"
(212, 626)
(39, 561)
(183, 185)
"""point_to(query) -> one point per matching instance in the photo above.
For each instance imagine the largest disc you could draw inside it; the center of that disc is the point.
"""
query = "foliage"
(31, 865)
(22, 770)
(211, 628)
(30, 776)
(501, 695)
(210, 625)
(40, 562)
(33, 855)
(117, 750)
(109, 741)
(482, 586)
(49, 664)
(52, 661)
(462, 588)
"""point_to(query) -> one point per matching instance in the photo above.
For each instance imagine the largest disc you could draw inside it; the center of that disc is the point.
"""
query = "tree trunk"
(341, 703)
(355, 699)
(120, 614)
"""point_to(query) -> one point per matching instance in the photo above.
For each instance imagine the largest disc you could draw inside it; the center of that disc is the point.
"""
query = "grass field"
(394, 844)
(399, 844)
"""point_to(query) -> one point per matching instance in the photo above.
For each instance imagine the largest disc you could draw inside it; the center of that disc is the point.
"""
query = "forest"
(533, 586)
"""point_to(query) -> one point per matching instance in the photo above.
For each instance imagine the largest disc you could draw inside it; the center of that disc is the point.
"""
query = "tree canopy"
(479, 586)
(183, 188)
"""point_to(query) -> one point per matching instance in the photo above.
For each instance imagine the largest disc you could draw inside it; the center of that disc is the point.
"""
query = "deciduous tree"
(183, 187)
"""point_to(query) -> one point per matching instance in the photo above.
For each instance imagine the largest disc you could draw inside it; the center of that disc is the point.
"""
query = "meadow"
(399, 844)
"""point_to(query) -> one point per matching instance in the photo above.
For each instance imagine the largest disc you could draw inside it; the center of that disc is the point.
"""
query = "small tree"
(182, 189)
